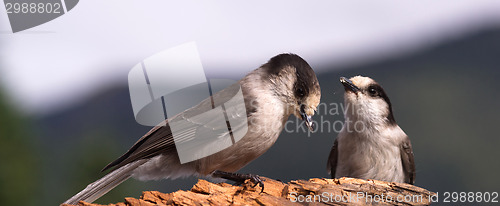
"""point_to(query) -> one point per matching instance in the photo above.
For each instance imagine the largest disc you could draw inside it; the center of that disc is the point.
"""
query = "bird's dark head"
(367, 100)
(295, 84)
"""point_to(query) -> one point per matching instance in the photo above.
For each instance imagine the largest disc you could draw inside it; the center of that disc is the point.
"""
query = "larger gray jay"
(283, 86)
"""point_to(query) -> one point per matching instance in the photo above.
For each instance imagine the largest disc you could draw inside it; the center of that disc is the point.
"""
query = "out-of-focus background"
(65, 111)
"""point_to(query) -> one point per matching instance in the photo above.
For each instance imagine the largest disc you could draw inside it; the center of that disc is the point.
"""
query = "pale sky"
(98, 42)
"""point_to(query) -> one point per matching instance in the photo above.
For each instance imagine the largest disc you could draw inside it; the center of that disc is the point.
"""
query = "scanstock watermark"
(172, 85)
(25, 14)
(362, 198)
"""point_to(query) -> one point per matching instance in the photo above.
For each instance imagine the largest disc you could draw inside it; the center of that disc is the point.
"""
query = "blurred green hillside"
(445, 98)
(20, 168)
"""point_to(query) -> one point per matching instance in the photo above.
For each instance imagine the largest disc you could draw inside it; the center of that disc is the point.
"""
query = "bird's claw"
(257, 181)
(240, 178)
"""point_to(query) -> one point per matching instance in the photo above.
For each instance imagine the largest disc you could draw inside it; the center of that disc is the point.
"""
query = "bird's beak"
(307, 118)
(348, 85)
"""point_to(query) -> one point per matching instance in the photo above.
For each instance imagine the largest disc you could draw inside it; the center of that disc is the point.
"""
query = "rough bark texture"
(343, 191)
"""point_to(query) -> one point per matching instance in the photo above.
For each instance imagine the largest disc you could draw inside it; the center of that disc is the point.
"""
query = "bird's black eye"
(373, 91)
(300, 92)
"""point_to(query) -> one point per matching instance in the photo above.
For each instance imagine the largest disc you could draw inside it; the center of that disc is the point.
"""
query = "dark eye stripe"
(381, 93)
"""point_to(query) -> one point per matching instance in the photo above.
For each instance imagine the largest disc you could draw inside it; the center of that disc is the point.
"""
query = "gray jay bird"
(285, 85)
(370, 145)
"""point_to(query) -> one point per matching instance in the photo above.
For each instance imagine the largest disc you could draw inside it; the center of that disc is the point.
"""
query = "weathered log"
(316, 191)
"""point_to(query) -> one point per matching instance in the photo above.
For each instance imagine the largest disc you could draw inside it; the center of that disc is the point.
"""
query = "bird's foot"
(240, 178)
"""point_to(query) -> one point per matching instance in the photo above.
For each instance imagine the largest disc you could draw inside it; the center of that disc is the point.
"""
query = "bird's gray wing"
(408, 161)
(159, 140)
(332, 159)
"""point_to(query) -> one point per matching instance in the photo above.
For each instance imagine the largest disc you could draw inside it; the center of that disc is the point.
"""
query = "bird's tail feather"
(102, 186)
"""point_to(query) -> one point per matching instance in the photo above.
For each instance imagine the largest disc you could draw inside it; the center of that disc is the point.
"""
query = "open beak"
(307, 119)
(348, 85)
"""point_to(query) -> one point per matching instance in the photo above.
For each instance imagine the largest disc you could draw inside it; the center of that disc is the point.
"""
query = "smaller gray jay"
(370, 145)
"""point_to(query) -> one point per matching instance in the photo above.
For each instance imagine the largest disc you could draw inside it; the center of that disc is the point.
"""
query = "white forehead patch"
(361, 81)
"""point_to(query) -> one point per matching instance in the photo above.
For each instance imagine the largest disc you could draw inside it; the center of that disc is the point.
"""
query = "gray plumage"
(370, 145)
(283, 86)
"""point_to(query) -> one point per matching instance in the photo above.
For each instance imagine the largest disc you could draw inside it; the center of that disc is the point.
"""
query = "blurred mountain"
(445, 98)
